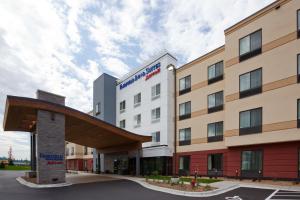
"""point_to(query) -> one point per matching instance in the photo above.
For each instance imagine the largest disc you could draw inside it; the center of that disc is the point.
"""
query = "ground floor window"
(156, 165)
(299, 163)
(184, 165)
(252, 163)
(215, 164)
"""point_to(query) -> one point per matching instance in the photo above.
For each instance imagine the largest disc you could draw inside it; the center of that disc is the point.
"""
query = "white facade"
(137, 82)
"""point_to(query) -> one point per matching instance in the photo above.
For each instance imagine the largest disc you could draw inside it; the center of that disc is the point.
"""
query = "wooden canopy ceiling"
(80, 128)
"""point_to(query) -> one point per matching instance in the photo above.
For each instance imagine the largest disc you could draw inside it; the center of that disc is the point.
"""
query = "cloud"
(62, 46)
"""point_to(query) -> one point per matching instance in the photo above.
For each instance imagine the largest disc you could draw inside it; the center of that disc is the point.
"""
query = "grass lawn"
(15, 167)
(184, 179)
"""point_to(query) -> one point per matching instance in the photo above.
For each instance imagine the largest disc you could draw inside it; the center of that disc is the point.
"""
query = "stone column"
(50, 135)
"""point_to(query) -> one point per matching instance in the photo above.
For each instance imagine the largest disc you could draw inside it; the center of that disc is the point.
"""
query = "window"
(184, 165)
(155, 91)
(251, 121)
(298, 113)
(155, 114)
(250, 45)
(98, 108)
(298, 22)
(298, 67)
(251, 163)
(122, 106)
(215, 164)
(122, 123)
(215, 132)
(185, 136)
(72, 151)
(156, 136)
(215, 72)
(185, 85)
(85, 150)
(137, 100)
(67, 151)
(299, 163)
(185, 110)
(250, 83)
(137, 120)
(215, 102)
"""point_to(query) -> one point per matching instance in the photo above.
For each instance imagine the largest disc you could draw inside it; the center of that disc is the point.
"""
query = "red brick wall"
(280, 160)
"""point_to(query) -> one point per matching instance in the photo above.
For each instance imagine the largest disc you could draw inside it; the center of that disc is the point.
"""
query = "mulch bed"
(182, 187)
(32, 180)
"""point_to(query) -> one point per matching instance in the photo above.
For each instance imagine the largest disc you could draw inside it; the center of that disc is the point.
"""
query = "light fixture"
(171, 67)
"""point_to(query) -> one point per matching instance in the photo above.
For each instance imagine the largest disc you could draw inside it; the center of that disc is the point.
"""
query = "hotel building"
(238, 106)
(141, 102)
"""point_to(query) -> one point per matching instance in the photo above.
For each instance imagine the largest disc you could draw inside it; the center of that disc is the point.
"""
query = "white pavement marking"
(269, 197)
(33, 185)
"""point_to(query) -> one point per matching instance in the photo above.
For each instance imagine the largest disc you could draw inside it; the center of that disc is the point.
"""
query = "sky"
(63, 46)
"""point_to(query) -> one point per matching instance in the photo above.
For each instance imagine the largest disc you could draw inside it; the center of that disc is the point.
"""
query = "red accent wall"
(280, 160)
(75, 164)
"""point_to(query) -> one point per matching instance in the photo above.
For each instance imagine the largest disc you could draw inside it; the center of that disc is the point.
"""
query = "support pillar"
(33, 151)
(137, 162)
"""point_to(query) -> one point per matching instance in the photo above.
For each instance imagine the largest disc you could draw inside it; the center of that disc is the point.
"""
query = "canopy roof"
(80, 128)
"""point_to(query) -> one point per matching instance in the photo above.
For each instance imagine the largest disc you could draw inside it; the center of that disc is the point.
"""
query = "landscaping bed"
(183, 187)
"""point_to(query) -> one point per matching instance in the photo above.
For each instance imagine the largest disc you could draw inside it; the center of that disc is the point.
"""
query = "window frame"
(98, 108)
(156, 95)
(135, 119)
(156, 119)
(298, 116)
(123, 120)
(185, 142)
(216, 108)
(157, 135)
(253, 53)
(185, 115)
(186, 89)
(123, 109)
(250, 130)
(252, 173)
(217, 172)
(136, 104)
(184, 172)
(298, 67)
(215, 138)
(298, 27)
(251, 91)
(215, 78)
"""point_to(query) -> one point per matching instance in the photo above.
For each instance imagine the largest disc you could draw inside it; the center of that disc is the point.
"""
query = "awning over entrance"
(81, 128)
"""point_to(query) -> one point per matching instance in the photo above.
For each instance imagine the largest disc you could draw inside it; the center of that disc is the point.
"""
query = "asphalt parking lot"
(10, 189)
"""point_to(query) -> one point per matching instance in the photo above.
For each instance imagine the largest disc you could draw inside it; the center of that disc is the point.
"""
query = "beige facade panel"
(202, 147)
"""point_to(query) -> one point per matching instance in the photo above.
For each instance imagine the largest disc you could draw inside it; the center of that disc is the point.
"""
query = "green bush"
(2, 165)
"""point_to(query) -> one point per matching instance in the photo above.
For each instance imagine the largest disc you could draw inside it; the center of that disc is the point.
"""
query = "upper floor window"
(67, 151)
(185, 85)
(185, 110)
(298, 67)
(215, 72)
(251, 83)
(298, 22)
(156, 136)
(72, 151)
(85, 150)
(155, 114)
(123, 123)
(137, 120)
(185, 136)
(250, 45)
(137, 99)
(215, 132)
(215, 102)
(251, 121)
(155, 91)
(122, 106)
(298, 113)
(98, 108)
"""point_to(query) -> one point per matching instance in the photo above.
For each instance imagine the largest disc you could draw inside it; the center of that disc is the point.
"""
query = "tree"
(10, 156)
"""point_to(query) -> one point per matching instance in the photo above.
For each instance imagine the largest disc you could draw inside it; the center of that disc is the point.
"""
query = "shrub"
(2, 165)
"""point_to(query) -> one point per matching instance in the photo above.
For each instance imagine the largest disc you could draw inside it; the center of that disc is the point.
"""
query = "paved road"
(10, 189)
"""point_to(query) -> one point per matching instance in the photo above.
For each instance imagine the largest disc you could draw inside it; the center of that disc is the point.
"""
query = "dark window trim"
(253, 53)
(252, 173)
(251, 91)
(215, 138)
(298, 117)
(298, 162)
(186, 90)
(250, 130)
(216, 78)
(184, 142)
(215, 173)
(215, 108)
(186, 116)
(298, 28)
(298, 72)
(186, 171)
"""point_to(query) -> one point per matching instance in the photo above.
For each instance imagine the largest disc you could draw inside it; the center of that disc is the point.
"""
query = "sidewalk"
(223, 186)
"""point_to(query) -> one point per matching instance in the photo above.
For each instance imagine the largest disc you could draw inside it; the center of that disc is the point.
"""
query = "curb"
(33, 185)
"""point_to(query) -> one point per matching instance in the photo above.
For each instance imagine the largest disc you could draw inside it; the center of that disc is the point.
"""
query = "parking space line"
(271, 195)
(284, 195)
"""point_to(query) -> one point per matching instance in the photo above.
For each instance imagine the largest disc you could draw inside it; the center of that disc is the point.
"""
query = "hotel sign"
(148, 73)
(52, 159)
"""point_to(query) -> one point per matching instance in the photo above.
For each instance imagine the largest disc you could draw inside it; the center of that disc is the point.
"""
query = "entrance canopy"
(80, 128)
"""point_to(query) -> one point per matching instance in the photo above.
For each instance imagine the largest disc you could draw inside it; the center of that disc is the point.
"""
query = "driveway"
(10, 189)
